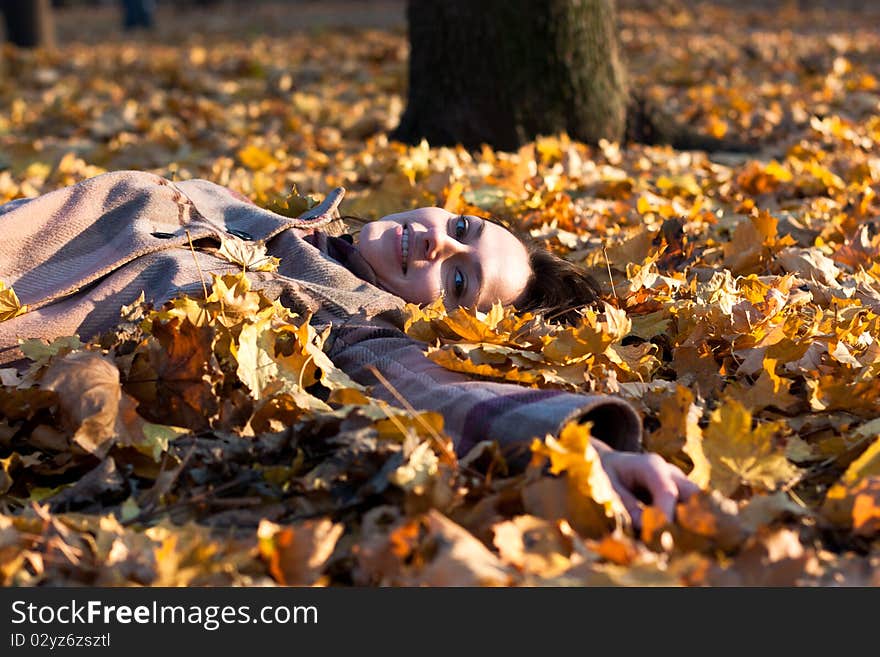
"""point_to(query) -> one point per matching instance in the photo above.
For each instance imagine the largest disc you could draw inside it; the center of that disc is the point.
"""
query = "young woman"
(76, 255)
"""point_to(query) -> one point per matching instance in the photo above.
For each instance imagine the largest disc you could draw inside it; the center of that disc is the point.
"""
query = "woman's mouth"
(404, 249)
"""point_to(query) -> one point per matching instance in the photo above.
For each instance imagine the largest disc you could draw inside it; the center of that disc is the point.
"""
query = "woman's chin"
(391, 289)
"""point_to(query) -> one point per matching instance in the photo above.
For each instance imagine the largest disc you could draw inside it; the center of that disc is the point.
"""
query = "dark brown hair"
(556, 288)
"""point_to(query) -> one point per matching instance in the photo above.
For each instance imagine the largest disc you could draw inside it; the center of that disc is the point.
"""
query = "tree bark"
(502, 72)
(29, 23)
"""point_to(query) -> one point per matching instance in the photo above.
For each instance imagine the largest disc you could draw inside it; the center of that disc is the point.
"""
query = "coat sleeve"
(475, 410)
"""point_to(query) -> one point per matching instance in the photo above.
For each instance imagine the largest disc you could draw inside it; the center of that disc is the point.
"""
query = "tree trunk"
(29, 23)
(502, 72)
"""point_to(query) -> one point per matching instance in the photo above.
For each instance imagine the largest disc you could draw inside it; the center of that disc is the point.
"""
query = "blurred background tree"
(29, 23)
(503, 71)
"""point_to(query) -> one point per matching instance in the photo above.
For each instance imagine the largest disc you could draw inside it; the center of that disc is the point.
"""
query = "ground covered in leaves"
(211, 442)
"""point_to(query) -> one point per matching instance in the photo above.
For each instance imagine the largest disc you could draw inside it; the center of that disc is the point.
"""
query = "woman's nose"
(437, 244)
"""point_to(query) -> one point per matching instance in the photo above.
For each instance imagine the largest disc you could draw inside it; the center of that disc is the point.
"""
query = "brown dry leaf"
(296, 554)
(557, 499)
(635, 249)
(617, 547)
(830, 393)
(861, 249)
(459, 560)
(533, 545)
(810, 264)
(866, 507)
(708, 516)
(419, 471)
(763, 510)
(745, 251)
(91, 398)
(124, 556)
(171, 379)
(655, 528)
(696, 367)
(431, 550)
(188, 555)
(91, 487)
(754, 240)
(647, 573)
(769, 389)
(771, 558)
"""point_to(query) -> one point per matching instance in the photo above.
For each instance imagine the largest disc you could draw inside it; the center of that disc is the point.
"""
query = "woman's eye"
(458, 284)
(461, 228)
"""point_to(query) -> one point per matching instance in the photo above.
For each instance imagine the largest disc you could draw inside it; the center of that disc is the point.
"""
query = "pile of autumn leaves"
(127, 454)
(212, 442)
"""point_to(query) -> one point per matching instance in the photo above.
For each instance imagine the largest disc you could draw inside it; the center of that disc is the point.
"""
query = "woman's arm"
(474, 410)
(510, 414)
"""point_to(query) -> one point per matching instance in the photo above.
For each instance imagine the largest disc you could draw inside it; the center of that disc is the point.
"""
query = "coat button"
(240, 234)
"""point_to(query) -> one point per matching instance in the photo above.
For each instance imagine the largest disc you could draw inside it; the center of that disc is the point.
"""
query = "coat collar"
(322, 214)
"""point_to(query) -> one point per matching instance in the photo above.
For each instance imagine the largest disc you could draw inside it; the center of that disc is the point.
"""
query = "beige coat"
(75, 256)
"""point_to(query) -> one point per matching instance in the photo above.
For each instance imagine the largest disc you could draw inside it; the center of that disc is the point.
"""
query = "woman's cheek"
(424, 290)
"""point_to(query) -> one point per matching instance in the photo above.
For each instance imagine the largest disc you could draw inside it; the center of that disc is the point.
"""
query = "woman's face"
(420, 254)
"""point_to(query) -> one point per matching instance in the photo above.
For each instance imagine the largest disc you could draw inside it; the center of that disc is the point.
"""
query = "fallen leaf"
(91, 398)
(297, 553)
(10, 306)
(732, 453)
(533, 545)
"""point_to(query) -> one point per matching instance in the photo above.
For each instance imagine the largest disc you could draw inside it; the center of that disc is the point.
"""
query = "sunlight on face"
(423, 253)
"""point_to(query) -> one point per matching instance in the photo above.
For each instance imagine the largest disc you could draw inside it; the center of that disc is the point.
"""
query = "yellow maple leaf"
(769, 389)
(474, 326)
(731, 452)
(231, 298)
(449, 358)
(251, 256)
(10, 306)
(573, 454)
(866, 465)
(589, 337)
(419, 322)
(291, 205)
(841, 497)
(679, 422)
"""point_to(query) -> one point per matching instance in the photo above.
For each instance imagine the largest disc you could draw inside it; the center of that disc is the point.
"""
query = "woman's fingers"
(657, 479)
(665, 483)
(632, 505)
(686, 487)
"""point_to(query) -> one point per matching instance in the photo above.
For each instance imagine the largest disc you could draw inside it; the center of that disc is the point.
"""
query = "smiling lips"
(404, 249)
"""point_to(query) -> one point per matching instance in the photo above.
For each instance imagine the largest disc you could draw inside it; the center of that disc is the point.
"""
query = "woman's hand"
(635, 472)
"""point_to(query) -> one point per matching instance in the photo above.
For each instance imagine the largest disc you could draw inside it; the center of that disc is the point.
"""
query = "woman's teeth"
(404, 247)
